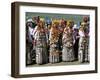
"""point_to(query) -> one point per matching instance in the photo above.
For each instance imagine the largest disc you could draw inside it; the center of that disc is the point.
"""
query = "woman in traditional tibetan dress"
(67, 41)
(41, 43)
(54, 43)
(83, 43)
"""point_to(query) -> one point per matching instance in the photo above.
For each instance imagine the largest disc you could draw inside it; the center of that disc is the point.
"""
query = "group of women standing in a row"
(60, 42)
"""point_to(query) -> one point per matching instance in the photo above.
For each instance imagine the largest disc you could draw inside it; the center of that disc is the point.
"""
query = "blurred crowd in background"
(56, 40)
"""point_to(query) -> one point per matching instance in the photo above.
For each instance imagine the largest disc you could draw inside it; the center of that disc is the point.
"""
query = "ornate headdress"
(70, 23)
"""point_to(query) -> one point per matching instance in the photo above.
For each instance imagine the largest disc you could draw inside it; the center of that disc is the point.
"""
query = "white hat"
(29, 20)
(75, 26)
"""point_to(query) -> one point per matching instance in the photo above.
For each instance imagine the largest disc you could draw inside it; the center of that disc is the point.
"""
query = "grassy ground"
(59, 64)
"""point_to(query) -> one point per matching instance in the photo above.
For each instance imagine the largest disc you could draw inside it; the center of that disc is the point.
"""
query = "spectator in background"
(76, 40)
(30, 52)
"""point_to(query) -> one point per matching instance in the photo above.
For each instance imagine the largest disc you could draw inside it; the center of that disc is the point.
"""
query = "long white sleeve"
(81, 33)
(34, 32)
(50, 35)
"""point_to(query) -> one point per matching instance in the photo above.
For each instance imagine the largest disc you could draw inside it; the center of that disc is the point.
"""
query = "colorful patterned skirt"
(67, 54)
(83, 53)
(54, 54)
